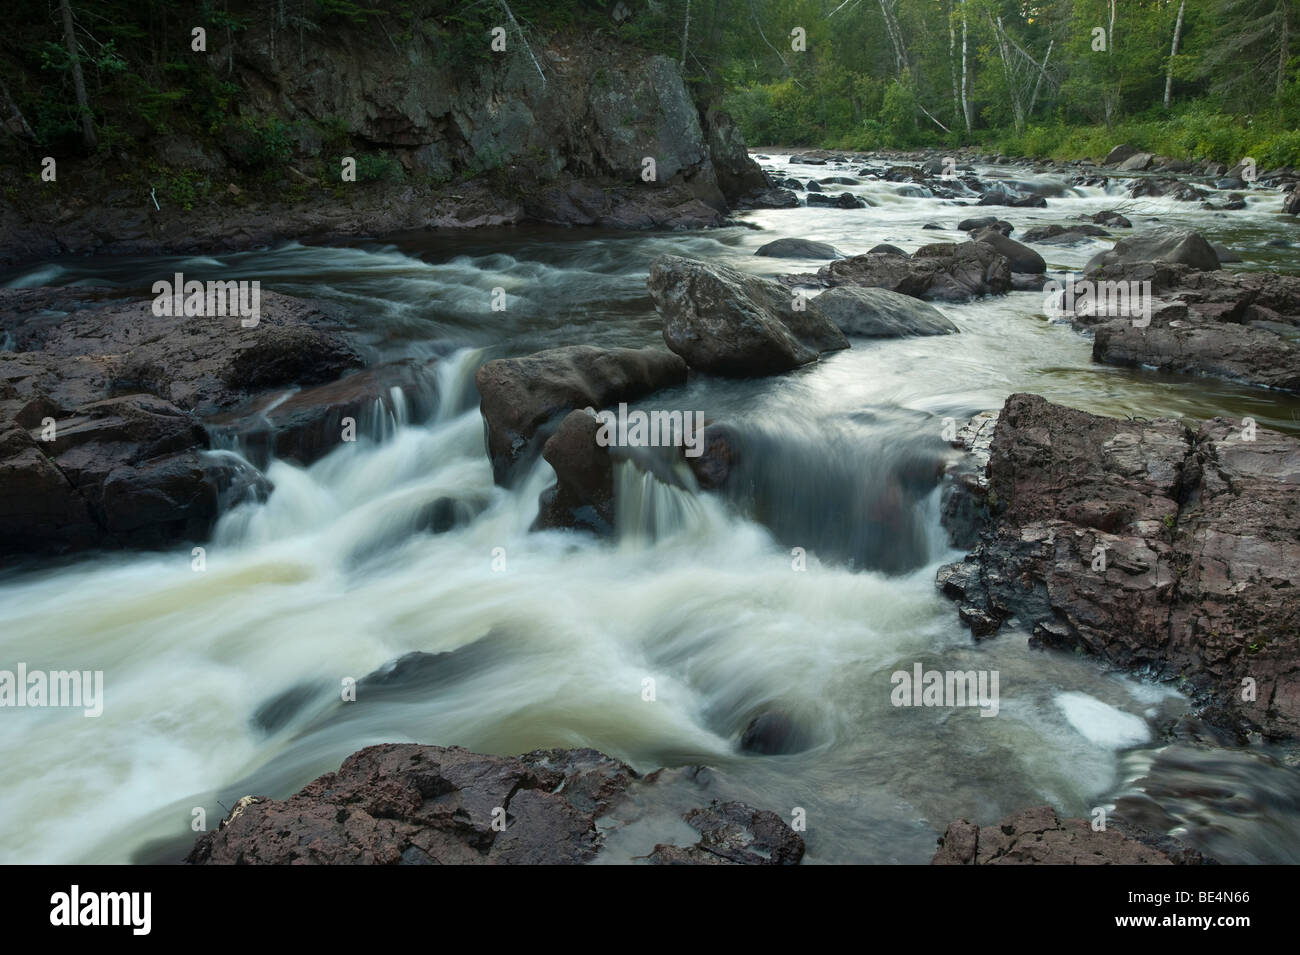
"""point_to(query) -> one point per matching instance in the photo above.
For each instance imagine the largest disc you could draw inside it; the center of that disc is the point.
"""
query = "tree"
(78, 78)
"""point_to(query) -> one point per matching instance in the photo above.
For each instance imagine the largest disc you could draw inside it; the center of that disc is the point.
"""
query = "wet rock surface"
(102, 407)
(407, 804)
(727, 322)
(942, 272)
(521, 397)
(1162, 550)
(1038, 836)
(877, 313)
(1240, 326)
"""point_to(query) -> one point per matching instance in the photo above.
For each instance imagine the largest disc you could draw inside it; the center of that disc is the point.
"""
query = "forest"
(1196, 79)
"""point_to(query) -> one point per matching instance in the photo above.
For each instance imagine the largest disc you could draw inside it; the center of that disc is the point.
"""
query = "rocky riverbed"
(396, 485)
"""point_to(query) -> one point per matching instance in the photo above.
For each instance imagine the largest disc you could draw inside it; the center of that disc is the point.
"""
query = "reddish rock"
(1200, 533)
(1038, 836)
(418, 805)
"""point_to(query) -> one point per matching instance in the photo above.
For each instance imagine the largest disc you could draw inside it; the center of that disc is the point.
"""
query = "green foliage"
(177, 187)
(380, 167)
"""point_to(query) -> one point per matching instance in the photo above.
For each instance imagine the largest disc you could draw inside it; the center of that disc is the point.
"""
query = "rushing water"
(226, 682)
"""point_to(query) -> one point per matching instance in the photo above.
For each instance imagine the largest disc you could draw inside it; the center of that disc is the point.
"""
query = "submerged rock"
(732, 833)
(1065, 235)
(878, 313)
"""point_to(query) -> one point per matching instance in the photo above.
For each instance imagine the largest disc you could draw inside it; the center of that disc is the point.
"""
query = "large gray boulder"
(878, 313)
(1179, 247)
(798, 249)
(1022, 257)
(726, 322)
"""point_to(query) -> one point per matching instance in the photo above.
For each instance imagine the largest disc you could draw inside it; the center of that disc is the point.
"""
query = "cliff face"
(572, 129)
(596, 112)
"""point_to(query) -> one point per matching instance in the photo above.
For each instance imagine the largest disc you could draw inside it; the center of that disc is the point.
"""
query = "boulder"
(799, 249)
(1109, 217)
(845, 200)
(944, 272)
(1172, 246)
(862, 312)
(725, 322)
(1118, 155)
(522, 397)
(1022, 258)
(583, 493)
(999, 197)
(1291, 202)
(1137, 162)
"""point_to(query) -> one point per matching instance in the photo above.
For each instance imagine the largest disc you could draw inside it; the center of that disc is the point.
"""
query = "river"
(227, 682)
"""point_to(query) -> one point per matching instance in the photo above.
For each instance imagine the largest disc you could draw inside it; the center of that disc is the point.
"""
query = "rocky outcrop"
(571, 144)
(407, 804)
(102, 405)
(305, 425)
(1159, 549)
(1238, 326)
(1038, 836)
(942, 272)
(523, 397)
(877, 313)
(726, 322)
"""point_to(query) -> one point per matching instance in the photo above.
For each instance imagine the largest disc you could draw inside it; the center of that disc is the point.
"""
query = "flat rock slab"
(407, 804)
(1038, 836)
